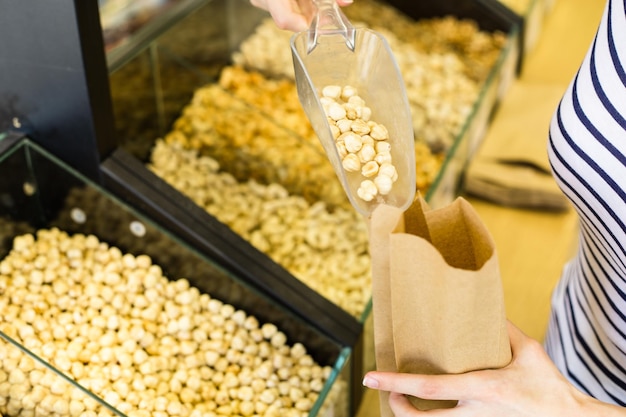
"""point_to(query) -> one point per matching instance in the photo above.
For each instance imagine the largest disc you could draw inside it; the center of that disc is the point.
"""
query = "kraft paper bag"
(511, 166)
(438, 303)
(515, 184)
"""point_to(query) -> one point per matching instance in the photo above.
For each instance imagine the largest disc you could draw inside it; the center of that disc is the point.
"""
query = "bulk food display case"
(103, 310)
(225, 94)
(170, 121)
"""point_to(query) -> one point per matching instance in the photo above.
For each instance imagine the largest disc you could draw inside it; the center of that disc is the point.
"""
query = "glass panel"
(89, 285)
(32, 387)
(447, 183)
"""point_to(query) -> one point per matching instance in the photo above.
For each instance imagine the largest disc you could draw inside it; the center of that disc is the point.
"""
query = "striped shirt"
(586, 335)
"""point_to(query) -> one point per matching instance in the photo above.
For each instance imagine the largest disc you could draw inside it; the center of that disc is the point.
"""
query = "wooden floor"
(533, 245)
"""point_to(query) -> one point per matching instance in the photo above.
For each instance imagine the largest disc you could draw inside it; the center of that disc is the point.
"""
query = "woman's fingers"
(287, 14)
(431, 387)
(294, 15)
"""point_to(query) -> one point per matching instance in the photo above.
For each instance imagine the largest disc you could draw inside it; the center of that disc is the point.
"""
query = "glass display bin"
(106, 313)
(448, 182)
(194, 96)
(164, 73)
(31, 386)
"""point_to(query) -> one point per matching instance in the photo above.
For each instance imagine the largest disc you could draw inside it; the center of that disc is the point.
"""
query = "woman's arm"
(294, 15)
(530, 386)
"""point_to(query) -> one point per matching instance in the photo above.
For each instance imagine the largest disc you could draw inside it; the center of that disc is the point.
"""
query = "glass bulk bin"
(45, 333)
(151, 89)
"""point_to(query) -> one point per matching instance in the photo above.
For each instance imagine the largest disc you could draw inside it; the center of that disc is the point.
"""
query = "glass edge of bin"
(11, 149)
(335, 374)
(60, 374)
(510, 47)
(315, 410)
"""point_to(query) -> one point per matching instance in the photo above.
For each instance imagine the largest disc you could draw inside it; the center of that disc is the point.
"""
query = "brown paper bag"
(515, 184)
(437, 296)
(511, 166)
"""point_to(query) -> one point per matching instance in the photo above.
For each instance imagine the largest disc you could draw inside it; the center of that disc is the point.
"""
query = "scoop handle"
(330, 20)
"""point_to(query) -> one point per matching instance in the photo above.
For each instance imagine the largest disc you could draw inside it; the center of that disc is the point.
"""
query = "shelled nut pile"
(146, 345)
(275, 97)
(427, 166)
(250, 145)
(276, 100)
(326, 250)
(441, 96)
(478, 50)
(444, 63)
(362, 144)
(268, 50)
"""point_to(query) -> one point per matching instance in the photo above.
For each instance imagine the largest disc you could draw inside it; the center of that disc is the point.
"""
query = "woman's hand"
(530, 386)
(294, 15)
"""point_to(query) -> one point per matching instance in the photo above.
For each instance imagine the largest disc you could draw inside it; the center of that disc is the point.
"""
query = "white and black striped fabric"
(586, 335)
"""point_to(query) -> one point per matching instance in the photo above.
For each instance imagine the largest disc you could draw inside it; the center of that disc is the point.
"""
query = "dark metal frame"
(54, 81)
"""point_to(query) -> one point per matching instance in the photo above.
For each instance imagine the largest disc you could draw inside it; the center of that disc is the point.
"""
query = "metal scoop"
(333, 52)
